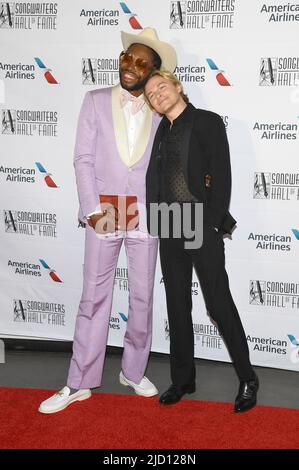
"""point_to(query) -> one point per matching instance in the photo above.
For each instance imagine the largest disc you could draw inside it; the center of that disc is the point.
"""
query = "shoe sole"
(82, 398)
(126, 384)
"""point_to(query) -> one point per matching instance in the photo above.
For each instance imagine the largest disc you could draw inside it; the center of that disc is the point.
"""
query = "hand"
(103, 222)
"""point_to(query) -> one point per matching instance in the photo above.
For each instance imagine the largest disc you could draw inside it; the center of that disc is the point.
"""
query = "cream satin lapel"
(143, 137)
(119, 125)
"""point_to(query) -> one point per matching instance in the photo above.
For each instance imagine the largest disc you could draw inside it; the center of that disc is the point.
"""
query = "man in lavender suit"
(113, 146)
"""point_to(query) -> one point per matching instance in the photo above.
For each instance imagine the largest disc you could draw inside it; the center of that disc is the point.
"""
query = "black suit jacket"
(205, 151)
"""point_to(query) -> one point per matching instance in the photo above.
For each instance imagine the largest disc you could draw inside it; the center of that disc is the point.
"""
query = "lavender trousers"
(92, 323)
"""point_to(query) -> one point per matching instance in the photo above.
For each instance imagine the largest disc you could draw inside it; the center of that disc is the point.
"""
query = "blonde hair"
(168, 76)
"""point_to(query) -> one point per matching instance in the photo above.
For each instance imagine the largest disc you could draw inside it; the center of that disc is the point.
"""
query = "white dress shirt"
(134, 123)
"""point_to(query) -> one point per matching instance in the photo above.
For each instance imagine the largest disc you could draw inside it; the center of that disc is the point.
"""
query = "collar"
(181, 118)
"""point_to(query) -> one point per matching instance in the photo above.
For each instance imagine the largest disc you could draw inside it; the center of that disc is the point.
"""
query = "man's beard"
(137, 86)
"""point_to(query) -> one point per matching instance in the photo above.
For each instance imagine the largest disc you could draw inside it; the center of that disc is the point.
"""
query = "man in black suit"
(190, 165)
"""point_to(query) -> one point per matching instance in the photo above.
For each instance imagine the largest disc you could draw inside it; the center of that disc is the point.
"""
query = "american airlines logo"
(132, 17)
(218, 73)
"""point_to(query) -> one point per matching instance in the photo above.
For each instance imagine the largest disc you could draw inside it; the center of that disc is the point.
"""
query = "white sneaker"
(62, 399)
(144, 388)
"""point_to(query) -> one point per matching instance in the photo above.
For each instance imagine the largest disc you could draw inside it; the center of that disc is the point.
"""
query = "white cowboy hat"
(149, 37)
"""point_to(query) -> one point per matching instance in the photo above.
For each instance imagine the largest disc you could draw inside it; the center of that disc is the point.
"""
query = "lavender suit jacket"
(101, 150)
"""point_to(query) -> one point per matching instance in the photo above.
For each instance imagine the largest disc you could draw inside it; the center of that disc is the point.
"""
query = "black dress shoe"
(246, 398)
(175, 393)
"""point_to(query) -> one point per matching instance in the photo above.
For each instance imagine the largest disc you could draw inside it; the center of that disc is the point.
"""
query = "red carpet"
(107, 421)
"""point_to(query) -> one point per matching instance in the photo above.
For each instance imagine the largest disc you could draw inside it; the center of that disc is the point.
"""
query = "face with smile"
(165, 96)
(135, 66)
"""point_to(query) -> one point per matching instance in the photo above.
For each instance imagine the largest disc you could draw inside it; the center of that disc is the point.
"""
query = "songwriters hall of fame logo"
(279, 294)
(121, 278)
(279, 71)
(100, 71)
(28, 16)
(8, 121)
(166, 329)
(261, 188)
(39, 224)
(19, 310)
(39, 312)
(257, 292)
(206, 336)
(10, 222)
(268, 72)
(177, 15)
(29, 123)
(7, 14)
(276, 186)
(202, 15)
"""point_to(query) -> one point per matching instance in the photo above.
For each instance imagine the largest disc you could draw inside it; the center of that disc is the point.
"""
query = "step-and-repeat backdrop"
(235, 57)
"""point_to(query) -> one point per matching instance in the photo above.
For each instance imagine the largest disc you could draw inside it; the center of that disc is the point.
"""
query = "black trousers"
(209, 263)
